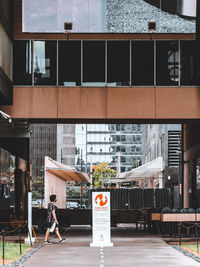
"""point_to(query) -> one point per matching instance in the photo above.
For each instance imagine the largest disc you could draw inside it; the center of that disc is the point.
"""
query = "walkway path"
(129, 250)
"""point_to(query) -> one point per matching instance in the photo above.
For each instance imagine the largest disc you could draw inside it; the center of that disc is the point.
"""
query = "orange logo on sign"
(100, 200)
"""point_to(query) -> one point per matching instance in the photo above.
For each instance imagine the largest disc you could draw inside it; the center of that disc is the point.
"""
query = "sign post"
(101, 232)
(29, 239)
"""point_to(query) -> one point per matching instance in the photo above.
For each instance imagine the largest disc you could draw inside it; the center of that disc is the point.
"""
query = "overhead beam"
(198, 21)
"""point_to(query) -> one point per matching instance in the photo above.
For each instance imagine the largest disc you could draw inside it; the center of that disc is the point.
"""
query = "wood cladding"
(18, 34)
(104, 103)
(178, 217)
(155, 216)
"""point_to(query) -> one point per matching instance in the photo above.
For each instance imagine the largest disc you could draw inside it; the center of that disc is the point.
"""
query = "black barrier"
(136, 198)
(20, 240)
(3, 246)
(4, 232)
(195, 226)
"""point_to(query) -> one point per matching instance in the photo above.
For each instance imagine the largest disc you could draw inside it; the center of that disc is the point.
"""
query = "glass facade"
(94, 63)
(69, 59)
(106, 63)
(7, 182)
(102, 142)
(142, 63)
(190, 66)
(50, 15)
(45, 60)
(118, 63)
(108, 16)
(167, 63)
(22, 63)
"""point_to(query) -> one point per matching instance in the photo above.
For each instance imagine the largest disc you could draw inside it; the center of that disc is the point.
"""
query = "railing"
(18, 226)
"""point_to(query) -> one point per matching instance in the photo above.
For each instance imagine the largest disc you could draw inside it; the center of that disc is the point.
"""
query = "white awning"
(147, 171)
(65, 172)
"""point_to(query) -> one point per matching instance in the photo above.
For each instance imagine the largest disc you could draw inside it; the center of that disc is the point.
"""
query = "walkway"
(130, 249)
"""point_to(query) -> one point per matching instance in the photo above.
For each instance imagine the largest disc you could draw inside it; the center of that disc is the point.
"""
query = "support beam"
(186, 185)
(198, 21)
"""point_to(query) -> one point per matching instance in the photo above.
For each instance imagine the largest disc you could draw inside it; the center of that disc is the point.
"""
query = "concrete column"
(22, 164)
(161, 180)
(186, 185)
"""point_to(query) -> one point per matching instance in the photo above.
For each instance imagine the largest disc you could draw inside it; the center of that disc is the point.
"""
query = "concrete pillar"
(186, 185)
(161, 180)
(22, 164)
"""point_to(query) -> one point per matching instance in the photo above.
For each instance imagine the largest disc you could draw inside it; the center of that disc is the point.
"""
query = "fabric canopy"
(149, 170)
(65, 172)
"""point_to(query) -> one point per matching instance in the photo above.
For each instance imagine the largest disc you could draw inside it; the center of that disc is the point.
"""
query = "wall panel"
(105, 103)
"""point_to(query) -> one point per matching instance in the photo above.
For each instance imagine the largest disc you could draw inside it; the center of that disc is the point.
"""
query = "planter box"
(179, 217)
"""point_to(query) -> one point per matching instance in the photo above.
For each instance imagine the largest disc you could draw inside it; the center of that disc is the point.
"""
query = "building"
(141, 76)
(102, 142)
(14, 134)
(56, 141)
(164, 140)
(66, 144)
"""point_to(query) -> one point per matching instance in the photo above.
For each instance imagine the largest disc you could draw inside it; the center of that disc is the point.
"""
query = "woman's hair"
(52, 197)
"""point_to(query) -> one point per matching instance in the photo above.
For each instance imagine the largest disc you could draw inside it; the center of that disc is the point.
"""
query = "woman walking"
(52, 222)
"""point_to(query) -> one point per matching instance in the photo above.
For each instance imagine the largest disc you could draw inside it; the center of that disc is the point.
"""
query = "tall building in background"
(66, 144)
(163, 140)
(102, 142)
(56, 141)
(43, 142)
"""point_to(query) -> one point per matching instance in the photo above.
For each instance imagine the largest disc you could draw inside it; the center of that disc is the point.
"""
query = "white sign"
(101, 219)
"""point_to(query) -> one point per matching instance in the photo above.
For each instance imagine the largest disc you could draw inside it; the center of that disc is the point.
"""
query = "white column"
(27, 240)
(91, 152)
(160, 180)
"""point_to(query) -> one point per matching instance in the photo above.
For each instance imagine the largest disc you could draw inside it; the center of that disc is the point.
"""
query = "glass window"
(22, 63)
(122, 127)
(50, 15)
(117, 127)
(118, 63)
(190, 66)
(93, 63)
(167, 63)
(45, 62)
(142, 63)
(69, 59)
(122, 149)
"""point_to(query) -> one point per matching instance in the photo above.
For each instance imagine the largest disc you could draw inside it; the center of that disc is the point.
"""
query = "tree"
(38, 187)
(102, 172)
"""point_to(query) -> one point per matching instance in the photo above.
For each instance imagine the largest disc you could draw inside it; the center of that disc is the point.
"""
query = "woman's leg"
(47, 234)
(58, 234)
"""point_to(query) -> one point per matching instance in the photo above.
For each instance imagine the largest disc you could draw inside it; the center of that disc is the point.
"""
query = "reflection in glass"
(50, 15)
(45, 63)
(69, 59)
(142, 63)
(167, 63)
(7, 168)
(118, 63)
(106, 142)
(190, 64)
(93, 63)
(22, 63)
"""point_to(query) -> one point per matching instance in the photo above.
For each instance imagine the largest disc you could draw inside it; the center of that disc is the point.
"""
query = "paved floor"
(130, 249)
